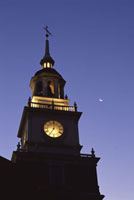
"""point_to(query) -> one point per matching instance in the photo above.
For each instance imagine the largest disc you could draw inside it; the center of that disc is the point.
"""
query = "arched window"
(39, 89)
(50, 89)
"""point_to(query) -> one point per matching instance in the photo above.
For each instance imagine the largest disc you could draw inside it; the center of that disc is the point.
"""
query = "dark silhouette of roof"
(4, 161)
(50, 71)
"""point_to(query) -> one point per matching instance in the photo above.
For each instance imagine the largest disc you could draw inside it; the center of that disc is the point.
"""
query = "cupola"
(47, 84)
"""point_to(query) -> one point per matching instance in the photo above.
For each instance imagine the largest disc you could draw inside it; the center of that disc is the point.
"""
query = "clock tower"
(48, 159)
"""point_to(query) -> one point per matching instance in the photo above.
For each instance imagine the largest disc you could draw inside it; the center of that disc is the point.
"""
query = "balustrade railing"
(52, 106)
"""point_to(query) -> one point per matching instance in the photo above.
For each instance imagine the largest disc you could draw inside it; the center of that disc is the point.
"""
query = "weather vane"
(47, 31)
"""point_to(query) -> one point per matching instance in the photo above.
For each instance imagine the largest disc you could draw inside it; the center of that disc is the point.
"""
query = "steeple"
(47, 61)
(48, 154)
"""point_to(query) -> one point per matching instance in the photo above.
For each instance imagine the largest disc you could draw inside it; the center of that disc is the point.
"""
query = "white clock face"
(53, 129)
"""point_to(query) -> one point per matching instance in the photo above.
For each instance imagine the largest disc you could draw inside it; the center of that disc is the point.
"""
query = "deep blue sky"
(93, 48)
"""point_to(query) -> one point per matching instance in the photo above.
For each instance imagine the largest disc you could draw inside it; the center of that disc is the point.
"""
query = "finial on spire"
(47, 31)
(47, 61)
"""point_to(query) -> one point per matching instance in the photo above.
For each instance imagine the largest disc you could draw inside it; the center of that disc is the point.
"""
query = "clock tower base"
(57, 176)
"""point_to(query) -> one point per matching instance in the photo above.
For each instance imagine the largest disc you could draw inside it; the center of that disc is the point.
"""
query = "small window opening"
(47, 65)
(39, 89)
(50, 89)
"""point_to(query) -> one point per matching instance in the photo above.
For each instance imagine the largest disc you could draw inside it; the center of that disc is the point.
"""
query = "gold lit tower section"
(48, 86)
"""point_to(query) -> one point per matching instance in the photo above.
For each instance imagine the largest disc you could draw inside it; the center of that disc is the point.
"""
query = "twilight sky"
(93, 48)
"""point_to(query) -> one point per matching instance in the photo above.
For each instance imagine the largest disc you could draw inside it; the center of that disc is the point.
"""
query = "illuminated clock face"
(53, 129)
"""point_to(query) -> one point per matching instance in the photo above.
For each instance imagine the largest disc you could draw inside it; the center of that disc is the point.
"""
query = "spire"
(47, 54)
(47, 61)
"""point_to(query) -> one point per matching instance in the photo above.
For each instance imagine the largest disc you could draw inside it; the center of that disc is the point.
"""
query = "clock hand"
(53, 127)
(52, 130)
